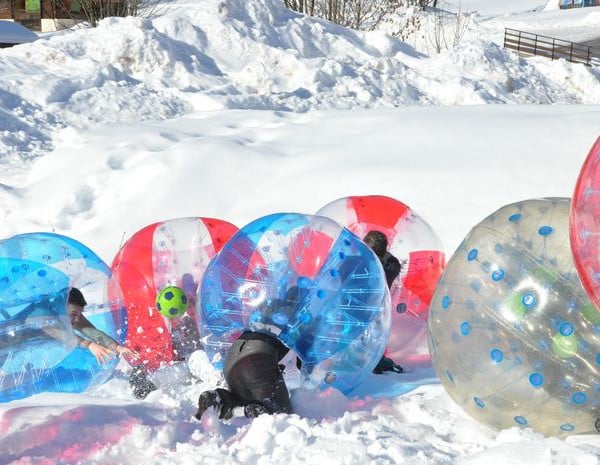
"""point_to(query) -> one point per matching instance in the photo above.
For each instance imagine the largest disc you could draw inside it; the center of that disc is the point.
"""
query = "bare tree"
(448, 29)
(421, 4)
(93, 11)
(302, 6)
(357, 14)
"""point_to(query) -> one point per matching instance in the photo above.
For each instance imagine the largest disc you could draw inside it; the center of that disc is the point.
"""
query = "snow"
(240, 109)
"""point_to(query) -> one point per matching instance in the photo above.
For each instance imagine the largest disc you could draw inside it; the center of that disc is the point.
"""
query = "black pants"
(252, 373)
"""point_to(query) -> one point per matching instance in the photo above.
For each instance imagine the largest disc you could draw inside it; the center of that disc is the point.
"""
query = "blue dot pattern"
(529, 300)
(566, 329)
(446, 302)
(496, 355)
(472, 255)
(465, 328)
(401, 307)
(536, 380)
(498, 275)
(479, 402)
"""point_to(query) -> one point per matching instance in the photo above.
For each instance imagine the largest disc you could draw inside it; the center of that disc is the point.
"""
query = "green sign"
(32, 6)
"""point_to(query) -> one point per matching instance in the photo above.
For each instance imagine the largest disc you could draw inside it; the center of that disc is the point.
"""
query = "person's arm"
(101, 353)
(107, 345)
(100, 337)
(391, 267)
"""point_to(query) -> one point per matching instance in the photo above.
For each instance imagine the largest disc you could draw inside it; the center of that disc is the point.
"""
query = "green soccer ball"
(171, 302)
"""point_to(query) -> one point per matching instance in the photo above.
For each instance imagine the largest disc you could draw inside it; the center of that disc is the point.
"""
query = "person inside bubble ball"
(101, 345)
(378, 243)
(252, 367)
(252, 370)
(104, 347)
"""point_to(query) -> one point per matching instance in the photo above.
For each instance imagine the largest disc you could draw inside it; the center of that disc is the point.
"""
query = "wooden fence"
(527, 43)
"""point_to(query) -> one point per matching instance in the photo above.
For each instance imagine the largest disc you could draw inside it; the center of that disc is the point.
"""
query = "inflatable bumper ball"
(513, 336)
(38, 269)
(164, 255)
(307, 281)
(585, 224)
(414, 243)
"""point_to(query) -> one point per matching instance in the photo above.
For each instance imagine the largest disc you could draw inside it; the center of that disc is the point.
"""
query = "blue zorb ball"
(38, 346)
(171, 302)
(307, 281)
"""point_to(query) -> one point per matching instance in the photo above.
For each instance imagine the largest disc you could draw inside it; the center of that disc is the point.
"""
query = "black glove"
(387, 364)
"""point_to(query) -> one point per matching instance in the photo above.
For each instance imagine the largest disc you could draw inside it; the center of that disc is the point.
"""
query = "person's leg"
(140, 384)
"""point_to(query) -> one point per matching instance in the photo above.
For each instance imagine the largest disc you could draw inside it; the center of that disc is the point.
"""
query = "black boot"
(387, 364)
(254, 409)
(228, 401)
(139, 382)
(206, 400)
(220, 399)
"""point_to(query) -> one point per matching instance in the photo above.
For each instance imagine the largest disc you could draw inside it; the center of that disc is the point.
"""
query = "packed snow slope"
(208, 54)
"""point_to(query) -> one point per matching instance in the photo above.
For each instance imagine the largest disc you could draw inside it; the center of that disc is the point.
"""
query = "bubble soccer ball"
(414, 243)
(38, 348)
(307, 281)
(171, 302)
(168, 253)
(584, 226)
(513, 336)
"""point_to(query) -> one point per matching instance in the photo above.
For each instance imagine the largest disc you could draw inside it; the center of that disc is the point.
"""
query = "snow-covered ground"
(238, 109)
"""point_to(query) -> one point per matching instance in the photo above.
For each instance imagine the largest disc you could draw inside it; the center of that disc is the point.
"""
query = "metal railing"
(529, 44)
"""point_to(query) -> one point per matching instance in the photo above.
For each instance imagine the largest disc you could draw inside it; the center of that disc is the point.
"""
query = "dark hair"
(377, 241)
(76, 297)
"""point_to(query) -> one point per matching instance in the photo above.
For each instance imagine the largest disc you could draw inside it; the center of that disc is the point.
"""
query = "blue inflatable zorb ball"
(35, 332)
(38, 347)
(308, 281)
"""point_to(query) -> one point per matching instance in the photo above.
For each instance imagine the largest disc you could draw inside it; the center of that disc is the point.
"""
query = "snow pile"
(206, 55)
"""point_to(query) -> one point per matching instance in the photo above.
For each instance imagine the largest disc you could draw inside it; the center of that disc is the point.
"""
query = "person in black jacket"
(254, 377)
(252, 369)
(378, 243)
